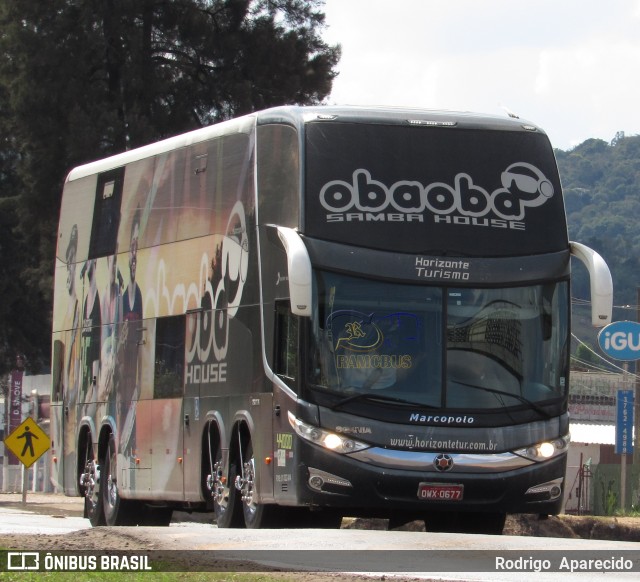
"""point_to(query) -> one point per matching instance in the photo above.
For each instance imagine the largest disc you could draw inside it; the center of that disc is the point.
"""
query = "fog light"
(321, 480)
(316, 482)
(545, 491)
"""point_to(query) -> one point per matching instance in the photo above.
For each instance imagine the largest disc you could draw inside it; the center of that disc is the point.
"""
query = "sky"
(570, 66)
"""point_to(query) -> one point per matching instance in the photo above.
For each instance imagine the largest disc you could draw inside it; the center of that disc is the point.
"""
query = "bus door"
(191, 418)
(63, 414)
(90, 340)
(286, 366)
(168, 419)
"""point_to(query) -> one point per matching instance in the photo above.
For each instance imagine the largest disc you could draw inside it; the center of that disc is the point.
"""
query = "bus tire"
(226, 505)
(115, 508)
(90, 488)
(256, 515)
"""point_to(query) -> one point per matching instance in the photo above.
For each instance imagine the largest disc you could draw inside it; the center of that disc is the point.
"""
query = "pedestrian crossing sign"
(28, 442)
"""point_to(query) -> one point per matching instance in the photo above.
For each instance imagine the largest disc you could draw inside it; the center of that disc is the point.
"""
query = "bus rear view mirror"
(600, 281)
(299, 267)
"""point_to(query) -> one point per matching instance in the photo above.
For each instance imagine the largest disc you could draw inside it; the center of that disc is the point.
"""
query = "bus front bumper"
(327, 479)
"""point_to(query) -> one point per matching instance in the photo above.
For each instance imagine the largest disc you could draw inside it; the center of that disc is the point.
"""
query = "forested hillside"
(601, 184)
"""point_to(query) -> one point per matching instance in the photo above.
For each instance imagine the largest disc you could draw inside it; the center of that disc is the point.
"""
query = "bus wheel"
(223, 492)
(115, 509)
(90, 485)
(256, 515)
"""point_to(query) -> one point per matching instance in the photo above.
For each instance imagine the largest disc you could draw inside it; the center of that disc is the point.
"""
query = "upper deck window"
(278, 175)
(106, 214)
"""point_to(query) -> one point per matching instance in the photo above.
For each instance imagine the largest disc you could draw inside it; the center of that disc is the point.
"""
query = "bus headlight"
(329, 440)
(545, 450)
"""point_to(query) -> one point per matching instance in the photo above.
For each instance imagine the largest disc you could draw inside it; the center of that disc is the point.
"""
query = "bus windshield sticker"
(523, 185)
(408, 191)
(366, 342)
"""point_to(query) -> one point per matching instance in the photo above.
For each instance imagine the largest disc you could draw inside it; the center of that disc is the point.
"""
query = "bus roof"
(240, 125)
(394, 116)
(298, 116)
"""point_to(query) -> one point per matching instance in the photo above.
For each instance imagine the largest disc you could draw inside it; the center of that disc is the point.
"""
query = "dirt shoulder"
(589, 527)
(44, 503)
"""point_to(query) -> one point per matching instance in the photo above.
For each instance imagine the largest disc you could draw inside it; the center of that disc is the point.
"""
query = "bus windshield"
(440, 347)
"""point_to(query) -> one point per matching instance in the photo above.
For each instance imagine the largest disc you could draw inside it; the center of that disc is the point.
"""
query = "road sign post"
(621, 340)
(28, 442)
(624, 422)
(624, 436)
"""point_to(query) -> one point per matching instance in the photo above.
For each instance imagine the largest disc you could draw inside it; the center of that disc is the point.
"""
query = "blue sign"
(621, 340)
(624, 423)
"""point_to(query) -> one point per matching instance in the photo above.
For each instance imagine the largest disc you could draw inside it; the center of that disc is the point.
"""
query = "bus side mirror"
(601, 283)
(299, 267)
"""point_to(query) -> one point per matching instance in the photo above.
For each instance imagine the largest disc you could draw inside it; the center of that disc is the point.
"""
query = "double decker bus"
(315, 312)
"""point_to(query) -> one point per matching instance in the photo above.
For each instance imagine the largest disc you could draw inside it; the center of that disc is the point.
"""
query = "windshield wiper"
(376, 397)
(541, 411)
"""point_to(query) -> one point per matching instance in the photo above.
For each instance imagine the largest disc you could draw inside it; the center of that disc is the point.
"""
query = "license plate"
(440, 492)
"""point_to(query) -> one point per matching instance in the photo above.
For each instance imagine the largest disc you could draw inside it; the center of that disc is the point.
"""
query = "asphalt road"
(432, 556)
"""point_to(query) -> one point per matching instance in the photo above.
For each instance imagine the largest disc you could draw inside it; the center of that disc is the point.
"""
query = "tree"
(82, 79)
(602, 184)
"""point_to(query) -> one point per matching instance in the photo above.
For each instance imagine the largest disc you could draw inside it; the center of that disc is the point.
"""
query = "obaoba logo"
(206, 356)
(523, 185)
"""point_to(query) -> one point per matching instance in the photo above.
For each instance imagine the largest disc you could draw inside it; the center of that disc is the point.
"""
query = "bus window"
(278, 175)
(106, 214)
(169, 361)
(286, 344)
